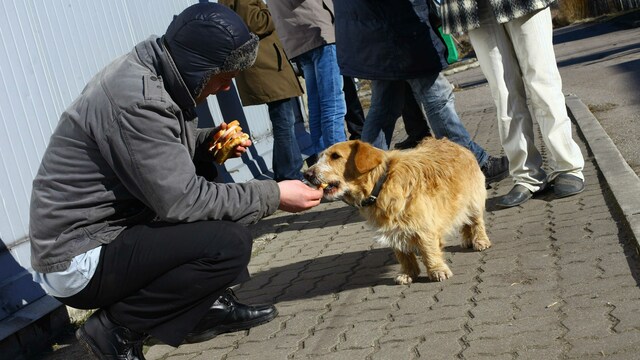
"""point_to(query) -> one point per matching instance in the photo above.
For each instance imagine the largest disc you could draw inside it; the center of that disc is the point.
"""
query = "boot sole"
(223, 329)
(567, 194)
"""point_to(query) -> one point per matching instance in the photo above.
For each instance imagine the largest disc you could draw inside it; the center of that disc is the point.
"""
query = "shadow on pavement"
(616, 52)
(312, 219)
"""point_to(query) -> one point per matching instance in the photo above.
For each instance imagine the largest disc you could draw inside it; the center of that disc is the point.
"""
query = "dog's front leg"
(410, 268)
(430, 249)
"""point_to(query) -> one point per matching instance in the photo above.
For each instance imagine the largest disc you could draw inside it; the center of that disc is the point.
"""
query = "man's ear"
(366, 156)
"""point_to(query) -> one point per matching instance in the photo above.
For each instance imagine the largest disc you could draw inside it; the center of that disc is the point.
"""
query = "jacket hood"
(207, 39)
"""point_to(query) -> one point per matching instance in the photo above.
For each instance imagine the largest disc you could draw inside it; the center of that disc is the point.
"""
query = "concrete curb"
(622, 180)
(461, 66)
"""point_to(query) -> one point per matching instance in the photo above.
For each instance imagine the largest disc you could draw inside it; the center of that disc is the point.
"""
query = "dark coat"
(386, 40)
(271, 77)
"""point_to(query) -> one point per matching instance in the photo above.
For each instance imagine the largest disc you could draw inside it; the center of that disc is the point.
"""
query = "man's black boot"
(110, 341)
(495, 169)
(408, 143)
(229, 315)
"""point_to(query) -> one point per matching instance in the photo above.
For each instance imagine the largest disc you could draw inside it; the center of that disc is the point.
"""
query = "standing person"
(119, 220)
(271, 81)
(307, 32)
(513, 40)
(410, 50)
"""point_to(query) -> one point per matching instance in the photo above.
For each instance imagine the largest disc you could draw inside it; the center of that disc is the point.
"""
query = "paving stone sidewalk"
(561, 281)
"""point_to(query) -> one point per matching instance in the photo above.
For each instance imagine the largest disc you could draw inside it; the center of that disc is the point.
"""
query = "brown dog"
(413, 198)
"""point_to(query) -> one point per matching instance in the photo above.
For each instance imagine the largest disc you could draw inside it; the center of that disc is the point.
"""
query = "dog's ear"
(366, 156)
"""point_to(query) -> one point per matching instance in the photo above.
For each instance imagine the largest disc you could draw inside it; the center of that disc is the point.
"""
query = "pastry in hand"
(226, 140)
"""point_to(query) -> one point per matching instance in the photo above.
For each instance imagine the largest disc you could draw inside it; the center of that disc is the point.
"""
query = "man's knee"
(233, 241)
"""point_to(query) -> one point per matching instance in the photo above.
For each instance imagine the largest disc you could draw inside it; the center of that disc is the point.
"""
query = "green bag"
(436, 22)
(452, 52)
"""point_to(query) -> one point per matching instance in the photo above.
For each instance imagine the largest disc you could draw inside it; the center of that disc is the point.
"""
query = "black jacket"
(387, 40)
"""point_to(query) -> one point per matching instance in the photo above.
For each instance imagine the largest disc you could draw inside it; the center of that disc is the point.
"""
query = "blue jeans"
(325, 96)
(287, 159)
(387, 99)
(435, 95)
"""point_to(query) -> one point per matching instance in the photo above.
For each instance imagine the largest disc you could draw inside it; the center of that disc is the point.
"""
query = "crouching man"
(121, 221)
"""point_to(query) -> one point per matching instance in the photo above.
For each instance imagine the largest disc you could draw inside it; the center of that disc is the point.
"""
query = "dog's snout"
(309, 174)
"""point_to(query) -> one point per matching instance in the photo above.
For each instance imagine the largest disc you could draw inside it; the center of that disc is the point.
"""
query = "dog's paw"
(480, 245)
(403, 279)
(440, 274)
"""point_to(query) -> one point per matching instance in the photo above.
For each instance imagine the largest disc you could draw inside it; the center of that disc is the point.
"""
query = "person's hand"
(242, 148)
(295, 196)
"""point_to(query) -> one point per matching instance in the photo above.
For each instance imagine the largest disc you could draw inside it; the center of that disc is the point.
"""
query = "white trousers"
(517, 58)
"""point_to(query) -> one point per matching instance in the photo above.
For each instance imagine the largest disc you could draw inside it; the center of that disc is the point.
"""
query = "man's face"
(217, 83)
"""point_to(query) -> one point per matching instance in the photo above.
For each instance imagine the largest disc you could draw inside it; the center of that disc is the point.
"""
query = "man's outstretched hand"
(295, 196)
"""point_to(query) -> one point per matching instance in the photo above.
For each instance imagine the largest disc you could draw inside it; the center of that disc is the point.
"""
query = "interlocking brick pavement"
(561, 281)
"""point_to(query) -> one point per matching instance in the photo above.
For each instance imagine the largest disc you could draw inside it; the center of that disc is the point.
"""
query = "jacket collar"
(154, 53)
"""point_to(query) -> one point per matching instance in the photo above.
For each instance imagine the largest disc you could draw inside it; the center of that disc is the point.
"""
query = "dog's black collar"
(375, 192)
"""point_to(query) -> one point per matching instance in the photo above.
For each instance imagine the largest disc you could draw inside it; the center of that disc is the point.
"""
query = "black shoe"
(408, 143)
(495, 169)
(518, 195)
(228, 315)
(108, 340)
(566, 185)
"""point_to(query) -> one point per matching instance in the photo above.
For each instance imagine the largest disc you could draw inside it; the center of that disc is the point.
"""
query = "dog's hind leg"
(410, 268)
(430, 247)
(474, 234)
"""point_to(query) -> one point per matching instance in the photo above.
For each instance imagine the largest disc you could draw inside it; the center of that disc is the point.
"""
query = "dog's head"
(347, 169)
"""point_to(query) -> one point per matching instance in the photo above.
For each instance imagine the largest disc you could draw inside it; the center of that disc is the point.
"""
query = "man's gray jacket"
(123, 154)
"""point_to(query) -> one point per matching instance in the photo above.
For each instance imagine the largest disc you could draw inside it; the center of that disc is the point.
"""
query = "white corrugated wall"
(48, 51)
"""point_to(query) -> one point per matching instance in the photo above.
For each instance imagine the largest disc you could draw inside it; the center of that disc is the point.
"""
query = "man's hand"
(242, 148)
(295, 196)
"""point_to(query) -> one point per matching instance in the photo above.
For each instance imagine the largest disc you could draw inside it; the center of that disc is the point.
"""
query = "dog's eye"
(335, 156)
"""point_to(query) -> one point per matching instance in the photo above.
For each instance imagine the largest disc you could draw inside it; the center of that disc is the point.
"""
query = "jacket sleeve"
(257, 17)
(144, 148)
(203, 139)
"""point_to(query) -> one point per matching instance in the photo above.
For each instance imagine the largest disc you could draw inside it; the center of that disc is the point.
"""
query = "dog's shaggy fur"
(429, 191)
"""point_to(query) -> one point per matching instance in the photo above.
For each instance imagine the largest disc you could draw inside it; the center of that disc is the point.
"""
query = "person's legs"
(387, 97)
(313, 100)
(500, 66)
(161, 278)
(435, 94)
(531, 36)
(287, 159)
(355, 115)
(415, 122)
(330, 94)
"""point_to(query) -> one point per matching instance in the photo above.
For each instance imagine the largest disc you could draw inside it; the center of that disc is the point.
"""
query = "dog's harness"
(376, 191)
